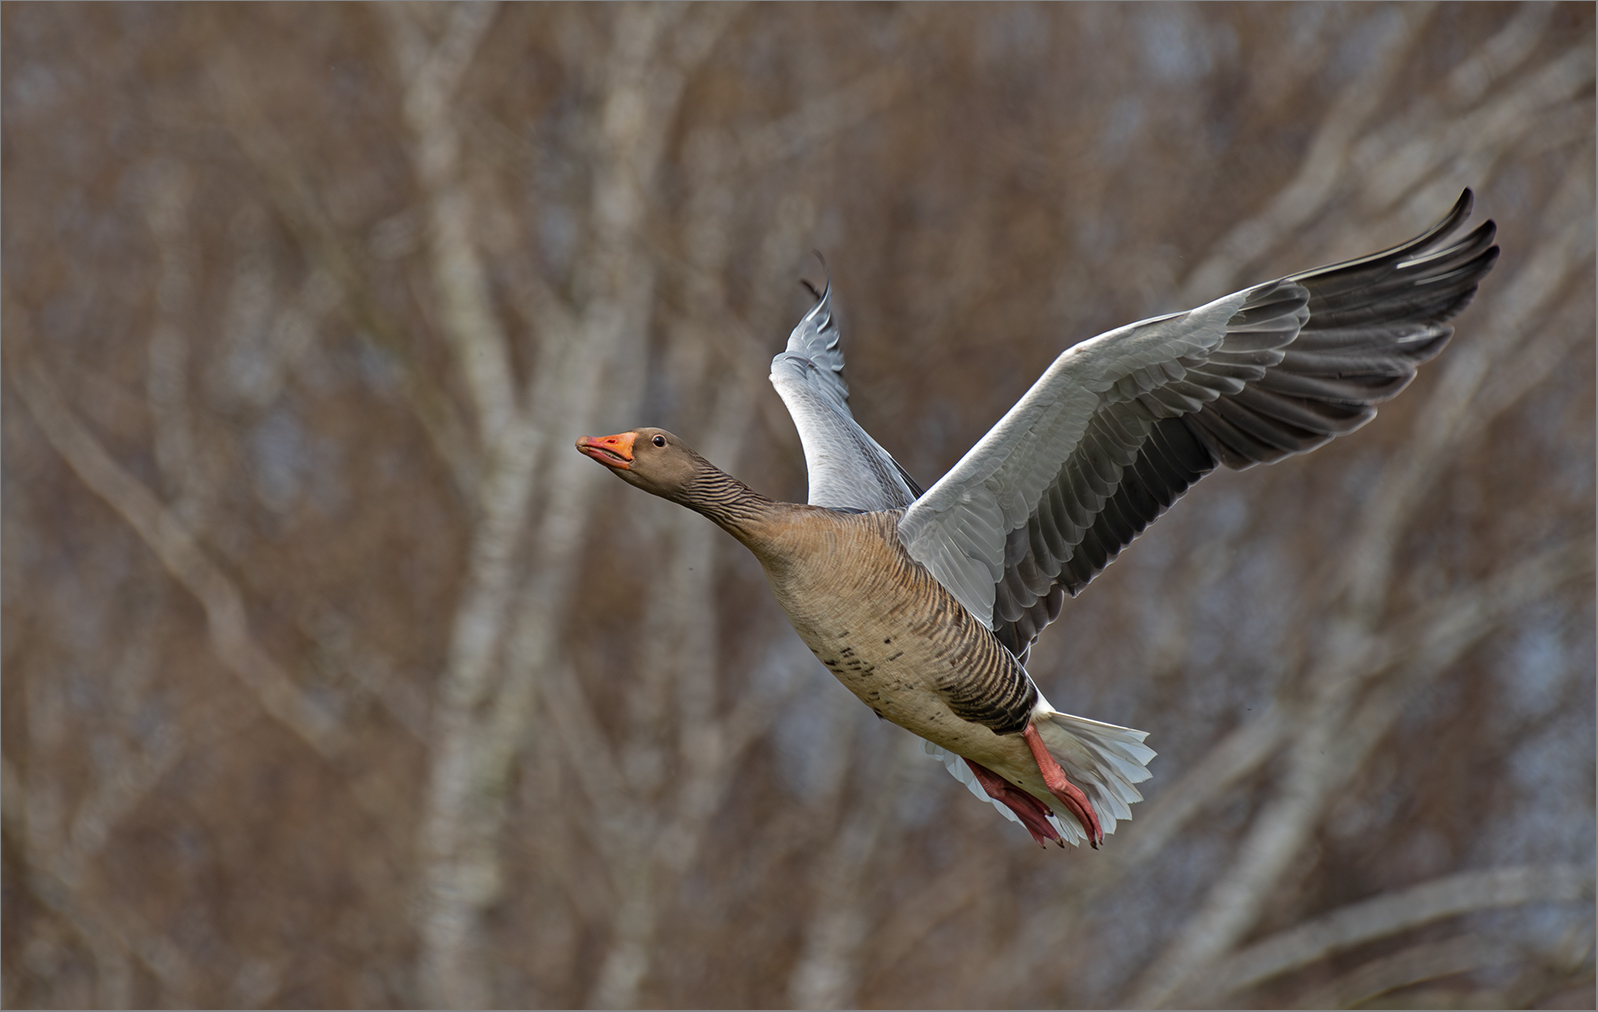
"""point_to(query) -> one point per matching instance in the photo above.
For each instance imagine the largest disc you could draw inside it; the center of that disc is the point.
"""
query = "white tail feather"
(1105, 760)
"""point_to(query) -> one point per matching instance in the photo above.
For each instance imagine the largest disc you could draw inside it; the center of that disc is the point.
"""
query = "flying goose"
(925, 604)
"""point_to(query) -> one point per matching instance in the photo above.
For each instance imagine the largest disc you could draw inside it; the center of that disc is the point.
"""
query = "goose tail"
(1105, 760)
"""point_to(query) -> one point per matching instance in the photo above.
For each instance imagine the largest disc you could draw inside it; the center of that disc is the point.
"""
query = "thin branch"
(910, 922)
(590, 758)
(1320, 171)
(1414, 965)
(1390, 914)
(1235, 757)
(168, 189)
(300, 208)
(1454, 413)
(1332, 743)
(1476, 138)
(482, 350)
(1478, 76)
(821, 119)
(337, 638)
(1422, 647)
(183, 558)
(837, 934)
(56, 876)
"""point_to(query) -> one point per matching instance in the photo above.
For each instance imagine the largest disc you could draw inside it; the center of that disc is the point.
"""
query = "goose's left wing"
(846, 467)
(1122, 424)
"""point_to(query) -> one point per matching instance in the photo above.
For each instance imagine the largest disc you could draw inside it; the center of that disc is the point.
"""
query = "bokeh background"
(333, 676)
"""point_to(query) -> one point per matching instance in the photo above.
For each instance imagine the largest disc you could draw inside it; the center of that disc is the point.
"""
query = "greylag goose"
(925, 604)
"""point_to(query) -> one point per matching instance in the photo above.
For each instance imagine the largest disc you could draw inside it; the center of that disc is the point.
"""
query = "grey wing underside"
(1121, 425)
(846, 467)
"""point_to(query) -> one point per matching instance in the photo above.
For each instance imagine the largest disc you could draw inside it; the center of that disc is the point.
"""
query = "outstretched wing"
(847, 469)
(1122, 424)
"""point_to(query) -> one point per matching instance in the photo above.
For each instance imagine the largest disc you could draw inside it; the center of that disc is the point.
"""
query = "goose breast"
(898, 640)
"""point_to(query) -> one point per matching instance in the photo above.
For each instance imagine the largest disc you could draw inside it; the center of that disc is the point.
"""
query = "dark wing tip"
(826, 284)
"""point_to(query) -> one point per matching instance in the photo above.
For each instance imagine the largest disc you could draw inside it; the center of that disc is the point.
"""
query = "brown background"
(333, 676)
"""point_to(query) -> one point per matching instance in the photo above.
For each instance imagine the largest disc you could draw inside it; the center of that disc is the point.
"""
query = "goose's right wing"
(846, 467)
(1122, 424)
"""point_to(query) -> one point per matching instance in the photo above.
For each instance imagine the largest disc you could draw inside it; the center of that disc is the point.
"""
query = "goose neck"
(730, 504)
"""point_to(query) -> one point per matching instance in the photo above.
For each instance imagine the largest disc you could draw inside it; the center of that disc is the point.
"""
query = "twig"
(1390, 914)
(1476, 138)
(297, 202)
(172, 543)
(1319, 172)
(55, 875)
(482, 351)
(1332, 744)
(837, 934)
(1414, 965)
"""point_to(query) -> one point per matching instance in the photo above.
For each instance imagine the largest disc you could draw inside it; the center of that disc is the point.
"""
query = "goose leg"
(1069, 794)
(1034, 815)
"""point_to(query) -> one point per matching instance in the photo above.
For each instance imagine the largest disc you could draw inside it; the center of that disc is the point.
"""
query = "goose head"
(652, 459)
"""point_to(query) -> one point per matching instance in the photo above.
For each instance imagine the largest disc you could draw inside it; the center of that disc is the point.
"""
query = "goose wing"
(846, 467)
(1121, 425)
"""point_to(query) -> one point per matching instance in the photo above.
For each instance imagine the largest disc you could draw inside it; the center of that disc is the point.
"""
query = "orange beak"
(612, 451)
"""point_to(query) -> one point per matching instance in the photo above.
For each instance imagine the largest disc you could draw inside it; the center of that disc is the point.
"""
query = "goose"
(925, 603)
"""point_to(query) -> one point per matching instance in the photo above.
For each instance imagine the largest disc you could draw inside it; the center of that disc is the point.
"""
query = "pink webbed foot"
(1069, 794)
(1034, 815)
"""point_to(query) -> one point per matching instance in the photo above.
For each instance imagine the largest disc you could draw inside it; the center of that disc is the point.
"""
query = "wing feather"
(847, 469)
(1120, 426)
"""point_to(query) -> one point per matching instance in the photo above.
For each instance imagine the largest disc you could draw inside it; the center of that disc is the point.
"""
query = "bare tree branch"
(1390, 914)
(1332, 743)
(837, 934)
(1454, 413)
(821, 119)
(468, 320)
(1413, 965)
(176, 450)
(167, 537)
(1322, 166)
(1474, 140)
(297, 202)
(58, 870)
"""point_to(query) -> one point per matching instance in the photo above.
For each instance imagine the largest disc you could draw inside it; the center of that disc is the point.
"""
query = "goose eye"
(660, 440)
